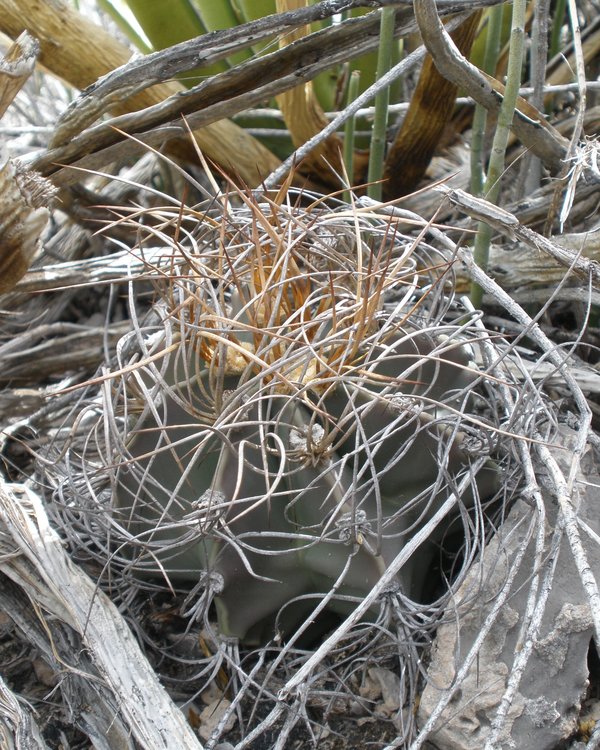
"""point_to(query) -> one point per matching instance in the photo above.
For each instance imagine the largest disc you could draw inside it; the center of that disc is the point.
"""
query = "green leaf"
(220, 15)
(124, 25)
(168, 22)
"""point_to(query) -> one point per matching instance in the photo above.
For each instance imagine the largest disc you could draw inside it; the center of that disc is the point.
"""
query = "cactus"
(287, 429)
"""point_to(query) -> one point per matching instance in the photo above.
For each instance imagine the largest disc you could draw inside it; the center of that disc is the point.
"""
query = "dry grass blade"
(159, 66)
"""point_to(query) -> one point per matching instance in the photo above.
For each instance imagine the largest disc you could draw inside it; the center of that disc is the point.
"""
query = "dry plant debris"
(281, 361)
(270, 301)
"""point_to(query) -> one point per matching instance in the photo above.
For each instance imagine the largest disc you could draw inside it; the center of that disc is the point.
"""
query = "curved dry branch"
(219, 97)
(528, 124)
(508, 224)
(157, 67)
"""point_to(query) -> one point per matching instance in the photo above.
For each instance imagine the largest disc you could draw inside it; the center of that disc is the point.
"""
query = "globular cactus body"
(292, 432)
(280, 493)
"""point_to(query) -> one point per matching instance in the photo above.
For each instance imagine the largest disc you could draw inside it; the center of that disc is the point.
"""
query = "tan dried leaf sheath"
(305, 118)
(23, 216)
(16, 67)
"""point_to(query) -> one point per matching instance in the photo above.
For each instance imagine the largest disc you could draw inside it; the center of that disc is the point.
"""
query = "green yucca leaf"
(168, 22)
(220, 15)
(124, 25)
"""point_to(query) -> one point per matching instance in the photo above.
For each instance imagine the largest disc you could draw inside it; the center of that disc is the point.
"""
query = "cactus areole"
(288, 431)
